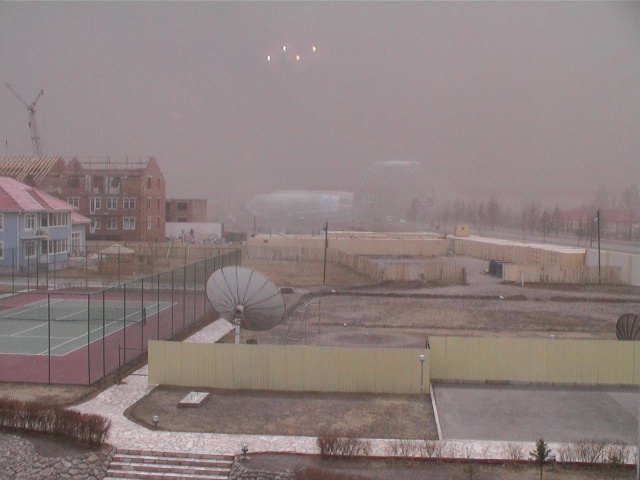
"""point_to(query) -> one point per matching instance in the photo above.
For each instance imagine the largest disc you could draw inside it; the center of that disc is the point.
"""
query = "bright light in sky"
(268, 58)
(297, 57)
(284, 48)
(313, 48)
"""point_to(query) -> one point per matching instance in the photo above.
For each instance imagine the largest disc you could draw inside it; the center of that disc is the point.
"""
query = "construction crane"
(31, 108)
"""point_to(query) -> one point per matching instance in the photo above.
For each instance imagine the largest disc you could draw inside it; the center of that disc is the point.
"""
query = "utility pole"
(326, 245)
(599, 267)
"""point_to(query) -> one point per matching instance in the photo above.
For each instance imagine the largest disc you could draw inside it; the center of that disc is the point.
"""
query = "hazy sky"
(525, 96)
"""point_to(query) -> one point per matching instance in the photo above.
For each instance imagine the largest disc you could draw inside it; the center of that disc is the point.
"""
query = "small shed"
(116, 260)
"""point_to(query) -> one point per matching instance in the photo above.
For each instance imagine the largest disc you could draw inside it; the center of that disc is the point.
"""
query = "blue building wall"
(15, 238)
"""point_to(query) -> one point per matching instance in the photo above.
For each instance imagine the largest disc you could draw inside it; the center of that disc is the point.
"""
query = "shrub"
(82, 427)
(333, 445)
(432, 448)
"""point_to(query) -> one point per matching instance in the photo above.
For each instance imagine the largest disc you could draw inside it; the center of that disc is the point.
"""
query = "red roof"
(77, 218)
(18, 197)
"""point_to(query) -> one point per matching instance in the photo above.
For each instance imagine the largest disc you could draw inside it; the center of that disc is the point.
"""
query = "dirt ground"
(404, 315)
(429, 470)
(283, 413)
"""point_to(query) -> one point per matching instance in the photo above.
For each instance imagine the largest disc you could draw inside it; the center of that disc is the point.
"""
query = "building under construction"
(125, 200)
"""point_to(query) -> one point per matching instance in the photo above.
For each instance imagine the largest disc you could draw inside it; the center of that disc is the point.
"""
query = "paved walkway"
(126, 434)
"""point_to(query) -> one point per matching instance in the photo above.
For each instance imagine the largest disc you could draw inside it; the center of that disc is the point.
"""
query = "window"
(44, 219)
(57, 246)
(75, 201)
(29, 249)
(129, 223)
(148, 203)
(182, 206)
(112, 223)
(149, 222)
(1, 250)
(75, 241)
(95, 224)
(94, 204)
(158, 203)
(112, 203)
(1, 221)
(148, 182)
(29, 221)
(129, 203)
(59, 219)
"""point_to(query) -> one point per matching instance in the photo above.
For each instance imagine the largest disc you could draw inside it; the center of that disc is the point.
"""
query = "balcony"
(35, 233)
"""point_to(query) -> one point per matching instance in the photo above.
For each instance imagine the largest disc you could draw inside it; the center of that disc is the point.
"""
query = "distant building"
(35, 226)
(186, 210)
(124, 200)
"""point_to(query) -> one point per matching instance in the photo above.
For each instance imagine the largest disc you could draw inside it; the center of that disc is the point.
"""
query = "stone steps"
(150, 465)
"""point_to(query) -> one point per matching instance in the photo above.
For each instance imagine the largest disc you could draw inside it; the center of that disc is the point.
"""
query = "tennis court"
(76, 336)
(60, 326)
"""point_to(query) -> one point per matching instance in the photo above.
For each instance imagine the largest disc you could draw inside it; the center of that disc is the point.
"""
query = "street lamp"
(422, 378)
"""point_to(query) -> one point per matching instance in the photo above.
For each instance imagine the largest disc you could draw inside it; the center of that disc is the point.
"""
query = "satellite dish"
(245, 298)
(628, 327)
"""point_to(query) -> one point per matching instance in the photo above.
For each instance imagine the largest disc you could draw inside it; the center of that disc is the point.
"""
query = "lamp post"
(421, 378)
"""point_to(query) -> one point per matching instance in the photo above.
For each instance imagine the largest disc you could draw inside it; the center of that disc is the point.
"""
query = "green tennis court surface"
(64, 325)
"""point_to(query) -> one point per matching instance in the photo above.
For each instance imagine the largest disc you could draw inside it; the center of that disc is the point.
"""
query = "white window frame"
(1, 250)
(44, 220)
(57, 246)
(129, 203)
(75, 201)
(29, 221)
(94, 204)
(95, 224)
(58, 219)
(148, 203)
(76, 240)
(112, 223)
(149, 223)
(128, 223)
(112, 203)
(30, 244)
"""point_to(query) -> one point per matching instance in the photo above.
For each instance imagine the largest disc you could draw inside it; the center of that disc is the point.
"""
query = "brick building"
(124, 200)
(186, 210)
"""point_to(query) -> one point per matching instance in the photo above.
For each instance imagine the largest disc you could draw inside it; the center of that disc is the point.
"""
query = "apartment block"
(124, 200)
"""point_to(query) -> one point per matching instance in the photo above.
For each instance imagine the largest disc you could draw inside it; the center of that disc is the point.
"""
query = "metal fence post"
(158, 309)
(104, 355)
(172, 303)
(89, 338)
(49, 332)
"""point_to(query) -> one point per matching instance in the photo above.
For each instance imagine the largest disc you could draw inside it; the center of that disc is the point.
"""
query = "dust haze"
(488, 96)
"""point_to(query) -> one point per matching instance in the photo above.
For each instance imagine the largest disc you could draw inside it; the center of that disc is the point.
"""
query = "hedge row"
(35, 417)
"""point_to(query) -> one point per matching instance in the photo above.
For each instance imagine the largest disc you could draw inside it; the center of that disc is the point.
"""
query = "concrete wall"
(557, 274)
(288, 368)
(379, 270)
(519, 253)
(629, 264)
(379, 245)
(520, 360)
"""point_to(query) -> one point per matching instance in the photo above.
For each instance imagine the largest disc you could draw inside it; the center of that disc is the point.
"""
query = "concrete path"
(126, 434)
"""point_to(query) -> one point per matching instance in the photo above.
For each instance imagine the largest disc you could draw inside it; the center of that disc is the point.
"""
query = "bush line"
(35, 417)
